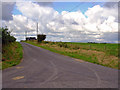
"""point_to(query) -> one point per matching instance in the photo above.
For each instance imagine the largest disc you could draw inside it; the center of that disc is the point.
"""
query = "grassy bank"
(102, 54)
(11, 54)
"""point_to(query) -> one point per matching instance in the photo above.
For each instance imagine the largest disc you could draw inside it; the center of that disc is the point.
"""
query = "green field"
(110, 49)
(11, 54)
(102, 54)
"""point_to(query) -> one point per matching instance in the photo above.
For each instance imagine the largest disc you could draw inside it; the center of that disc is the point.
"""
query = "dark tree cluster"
(30, 38)
(6, 37)
(41, 37)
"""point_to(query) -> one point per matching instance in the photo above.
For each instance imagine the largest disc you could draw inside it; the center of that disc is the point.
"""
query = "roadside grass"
(11, 54)
(1, 59)
(0, 65)
(102, 54)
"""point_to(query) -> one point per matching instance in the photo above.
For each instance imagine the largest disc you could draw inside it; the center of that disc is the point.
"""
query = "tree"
(41, 37)
(6, 37)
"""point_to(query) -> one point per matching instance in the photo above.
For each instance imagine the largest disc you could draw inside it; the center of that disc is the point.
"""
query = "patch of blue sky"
(75, 6)
(16, 11)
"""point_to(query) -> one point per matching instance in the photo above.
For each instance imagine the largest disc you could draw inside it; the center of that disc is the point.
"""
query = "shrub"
(76, 47)
(41, 37)
(63, 44)
(45, 42)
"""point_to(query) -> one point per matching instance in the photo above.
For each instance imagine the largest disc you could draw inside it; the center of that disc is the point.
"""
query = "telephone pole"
(25, 34)
(37, 28)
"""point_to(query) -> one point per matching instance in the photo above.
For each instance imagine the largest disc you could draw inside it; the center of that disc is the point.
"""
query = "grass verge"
(11, 54)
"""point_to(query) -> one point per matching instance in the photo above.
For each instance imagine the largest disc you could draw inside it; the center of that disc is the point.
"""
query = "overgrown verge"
(97, 54)
(11, 54)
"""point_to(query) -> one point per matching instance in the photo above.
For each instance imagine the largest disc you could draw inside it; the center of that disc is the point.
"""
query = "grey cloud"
(7, 8)
(110, 37)
(119, 11)
(45, 4)
(75, 23)
(72, 36)
(111, 4)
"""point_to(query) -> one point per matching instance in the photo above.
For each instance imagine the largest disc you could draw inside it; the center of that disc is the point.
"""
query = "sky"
(63, 21)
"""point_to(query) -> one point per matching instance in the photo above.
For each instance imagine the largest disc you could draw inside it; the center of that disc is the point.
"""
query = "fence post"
(104, 47)
(89, 46)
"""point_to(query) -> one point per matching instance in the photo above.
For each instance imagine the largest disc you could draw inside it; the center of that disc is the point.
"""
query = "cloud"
(35, 11)
(99, 24)
(111, 5)
(45, 4)
(7, 8)
(109, 37)
(19, 25)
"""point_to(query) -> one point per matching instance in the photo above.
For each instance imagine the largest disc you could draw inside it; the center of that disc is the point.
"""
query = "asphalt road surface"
(41, 68)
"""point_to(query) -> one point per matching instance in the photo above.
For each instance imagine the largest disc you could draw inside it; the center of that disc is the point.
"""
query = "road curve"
(41, 68)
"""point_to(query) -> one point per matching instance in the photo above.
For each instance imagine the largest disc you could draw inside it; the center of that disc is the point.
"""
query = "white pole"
(37, 28)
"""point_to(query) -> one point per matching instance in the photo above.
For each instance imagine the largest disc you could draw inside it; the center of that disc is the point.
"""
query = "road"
(41, 68)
